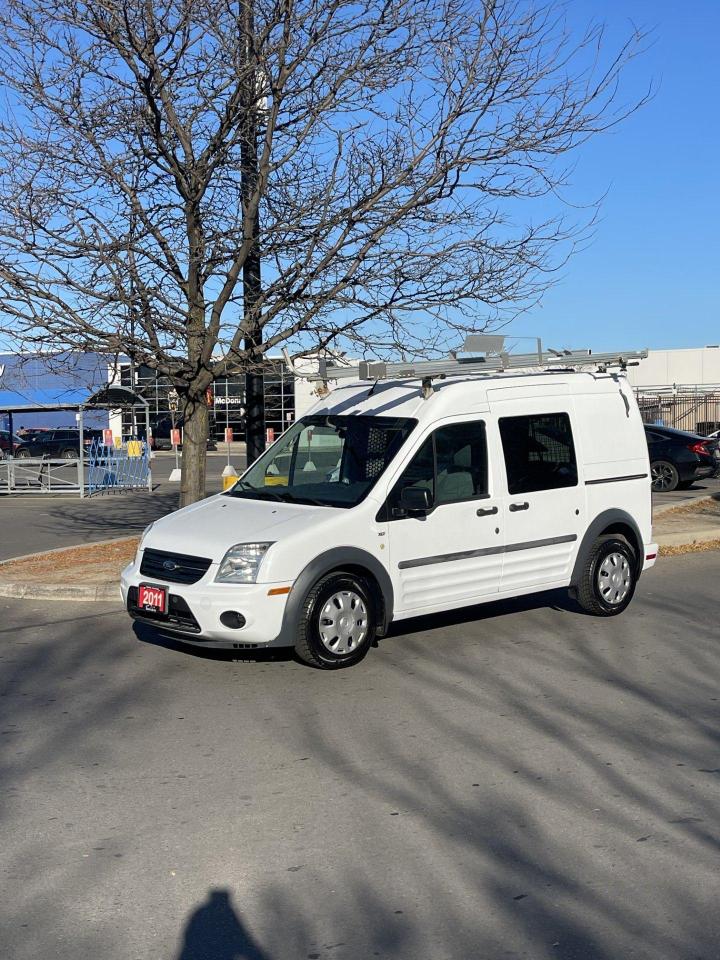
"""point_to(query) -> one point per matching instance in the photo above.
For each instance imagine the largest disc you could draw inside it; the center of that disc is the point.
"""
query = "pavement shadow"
(146, 633)
(214, 931)
(557, 600)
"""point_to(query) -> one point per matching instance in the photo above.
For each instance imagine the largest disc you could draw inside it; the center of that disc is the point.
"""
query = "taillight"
(700, 448)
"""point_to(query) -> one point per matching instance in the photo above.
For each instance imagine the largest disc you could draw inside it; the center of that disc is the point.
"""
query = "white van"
(397, 498)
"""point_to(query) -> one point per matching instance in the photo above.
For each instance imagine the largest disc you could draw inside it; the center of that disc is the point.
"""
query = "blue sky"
(651, 275)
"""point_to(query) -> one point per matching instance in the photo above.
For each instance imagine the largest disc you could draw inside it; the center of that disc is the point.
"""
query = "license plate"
(152, 599)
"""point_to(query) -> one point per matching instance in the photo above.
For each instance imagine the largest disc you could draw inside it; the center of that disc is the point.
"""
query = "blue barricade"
(111, 468)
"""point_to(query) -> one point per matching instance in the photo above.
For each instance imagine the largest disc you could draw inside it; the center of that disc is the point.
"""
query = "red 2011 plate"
(152, 599)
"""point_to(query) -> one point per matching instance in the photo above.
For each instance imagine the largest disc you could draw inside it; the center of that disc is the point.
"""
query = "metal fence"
(692, 408)
(117, 468)
(40, 475)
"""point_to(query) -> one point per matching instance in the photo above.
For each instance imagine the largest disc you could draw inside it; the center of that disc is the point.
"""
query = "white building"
(696, 366)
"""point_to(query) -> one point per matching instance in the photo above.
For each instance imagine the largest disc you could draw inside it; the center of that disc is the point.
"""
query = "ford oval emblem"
(169, 565)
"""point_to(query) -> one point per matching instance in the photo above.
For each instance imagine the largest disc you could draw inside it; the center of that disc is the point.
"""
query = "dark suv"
(678, 459)
(56, 444)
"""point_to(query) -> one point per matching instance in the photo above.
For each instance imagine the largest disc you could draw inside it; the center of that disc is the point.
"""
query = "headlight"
(242, 562)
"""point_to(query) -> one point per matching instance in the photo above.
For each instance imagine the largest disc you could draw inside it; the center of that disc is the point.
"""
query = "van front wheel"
(337, 624)
(607, 582)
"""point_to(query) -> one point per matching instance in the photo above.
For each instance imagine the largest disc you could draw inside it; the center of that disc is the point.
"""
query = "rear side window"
(539, 452)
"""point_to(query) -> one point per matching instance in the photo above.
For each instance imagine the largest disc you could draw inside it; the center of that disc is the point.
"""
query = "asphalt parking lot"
(514, 781)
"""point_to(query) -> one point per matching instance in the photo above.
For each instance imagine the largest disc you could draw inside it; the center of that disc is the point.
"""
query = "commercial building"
(40, 380)
(696, 366)
(680, 388)
(46, 380)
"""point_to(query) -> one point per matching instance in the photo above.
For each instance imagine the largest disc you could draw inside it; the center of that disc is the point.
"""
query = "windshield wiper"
(265, 494)
(255, 491)
(291, 498)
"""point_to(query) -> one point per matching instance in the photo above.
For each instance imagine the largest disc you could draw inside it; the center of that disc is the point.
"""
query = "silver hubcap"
(614, 578)
(662, 476)
(343, 622)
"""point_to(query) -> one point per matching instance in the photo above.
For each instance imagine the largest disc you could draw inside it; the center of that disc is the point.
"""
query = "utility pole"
(254, 384)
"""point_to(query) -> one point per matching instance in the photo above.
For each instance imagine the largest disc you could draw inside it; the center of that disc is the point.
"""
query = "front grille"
(179, 614)
(175, 567)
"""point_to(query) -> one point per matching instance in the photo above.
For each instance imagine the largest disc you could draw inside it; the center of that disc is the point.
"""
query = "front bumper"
(195, 610)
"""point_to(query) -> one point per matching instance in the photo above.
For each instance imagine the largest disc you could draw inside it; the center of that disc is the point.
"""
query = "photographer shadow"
(214, 931)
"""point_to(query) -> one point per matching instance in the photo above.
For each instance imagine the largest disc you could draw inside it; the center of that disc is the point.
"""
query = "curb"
(72, 546)
(108, 591)
(681, 539)
(660, 509)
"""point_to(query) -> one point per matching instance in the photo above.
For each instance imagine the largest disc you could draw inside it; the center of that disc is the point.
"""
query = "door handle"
(519, 506)
(486, 511)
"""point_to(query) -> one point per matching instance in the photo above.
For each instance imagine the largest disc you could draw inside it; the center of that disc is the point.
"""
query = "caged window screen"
(539, 452)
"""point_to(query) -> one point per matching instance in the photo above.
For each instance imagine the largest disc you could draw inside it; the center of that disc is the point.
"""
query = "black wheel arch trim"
(338, 558)
(607, 518)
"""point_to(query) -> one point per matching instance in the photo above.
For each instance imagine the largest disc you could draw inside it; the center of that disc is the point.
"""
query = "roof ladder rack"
(495, 360)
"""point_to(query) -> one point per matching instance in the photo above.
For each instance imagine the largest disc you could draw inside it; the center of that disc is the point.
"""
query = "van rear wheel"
(607, 582)
(337, 624)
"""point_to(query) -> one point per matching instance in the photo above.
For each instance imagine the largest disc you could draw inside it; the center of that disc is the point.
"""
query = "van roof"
(457, 393)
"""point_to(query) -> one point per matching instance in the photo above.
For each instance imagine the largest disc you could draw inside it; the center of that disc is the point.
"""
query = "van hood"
(209, 528)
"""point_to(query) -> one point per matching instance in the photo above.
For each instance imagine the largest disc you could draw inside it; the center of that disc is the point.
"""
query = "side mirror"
(415, 499)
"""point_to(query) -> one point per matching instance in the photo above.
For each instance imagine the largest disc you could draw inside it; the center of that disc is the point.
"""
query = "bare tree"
(371, 155)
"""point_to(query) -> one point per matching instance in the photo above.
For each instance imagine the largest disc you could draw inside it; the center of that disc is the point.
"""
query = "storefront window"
(228, 406)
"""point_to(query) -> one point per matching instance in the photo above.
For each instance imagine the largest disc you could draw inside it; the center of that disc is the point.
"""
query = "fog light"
(232, 619)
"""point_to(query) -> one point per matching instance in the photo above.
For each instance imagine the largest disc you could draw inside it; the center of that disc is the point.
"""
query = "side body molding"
(604, 520)
(339, 558)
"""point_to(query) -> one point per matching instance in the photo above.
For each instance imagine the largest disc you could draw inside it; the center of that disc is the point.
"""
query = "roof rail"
(490, 363)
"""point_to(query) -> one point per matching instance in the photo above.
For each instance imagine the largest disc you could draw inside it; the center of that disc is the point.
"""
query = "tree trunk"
(194, 451)
(254, 416)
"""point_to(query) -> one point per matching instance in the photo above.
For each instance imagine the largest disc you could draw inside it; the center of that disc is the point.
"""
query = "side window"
(420, 472)
(539, 452)
(452, 464)
(461, 462)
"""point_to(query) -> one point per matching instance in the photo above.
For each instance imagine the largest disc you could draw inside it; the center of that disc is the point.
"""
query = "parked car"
(5, 442)
(716, 436)
(61, 444)
(678, 458)
(391, 499)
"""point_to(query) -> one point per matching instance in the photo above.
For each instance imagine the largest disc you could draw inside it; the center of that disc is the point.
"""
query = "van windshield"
(331, 461)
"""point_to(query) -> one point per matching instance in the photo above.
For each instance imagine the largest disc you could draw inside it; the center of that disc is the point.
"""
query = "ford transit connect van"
(396, 498)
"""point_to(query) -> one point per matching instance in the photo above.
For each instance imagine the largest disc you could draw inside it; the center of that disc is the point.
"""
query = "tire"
(328, 611)
(69, 454)
(22, 454)
(608, 579)
(665, 477)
